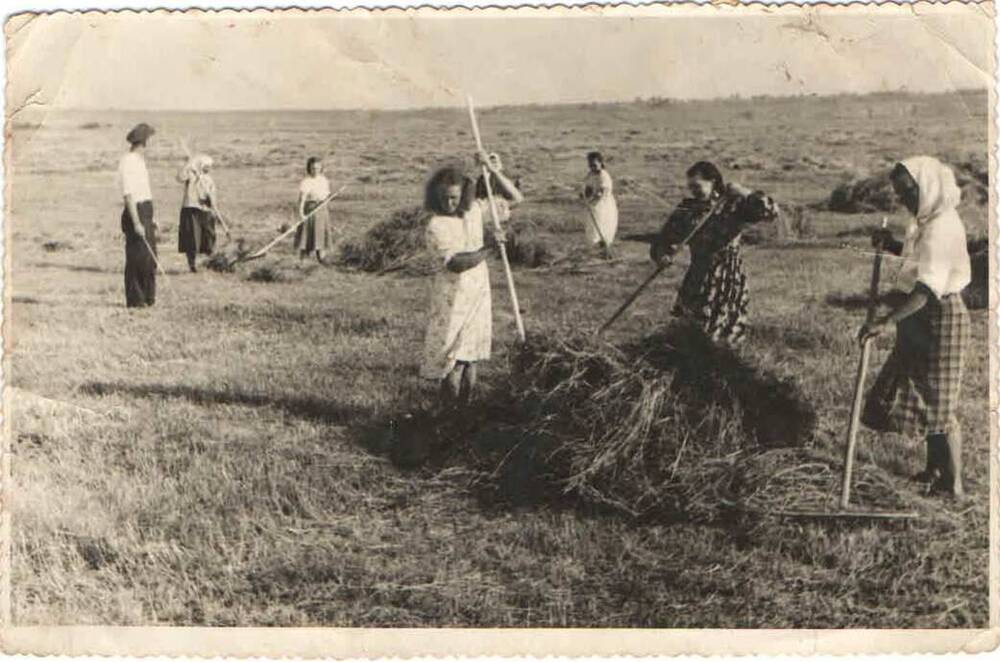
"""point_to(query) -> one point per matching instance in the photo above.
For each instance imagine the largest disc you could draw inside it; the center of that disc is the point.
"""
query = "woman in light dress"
(460, 328)
(601, 216)
(919, 388)
(313, 235)
(196, 231)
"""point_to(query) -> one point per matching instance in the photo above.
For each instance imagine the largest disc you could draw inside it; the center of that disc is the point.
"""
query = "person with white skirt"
(601, 215)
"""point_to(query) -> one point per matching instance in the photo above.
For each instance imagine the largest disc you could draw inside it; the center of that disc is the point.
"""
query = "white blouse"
(315, 189)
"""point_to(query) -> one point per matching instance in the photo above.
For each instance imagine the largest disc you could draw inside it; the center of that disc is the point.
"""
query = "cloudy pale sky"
(314, 60)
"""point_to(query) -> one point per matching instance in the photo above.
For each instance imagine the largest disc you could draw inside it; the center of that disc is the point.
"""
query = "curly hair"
(436, 188)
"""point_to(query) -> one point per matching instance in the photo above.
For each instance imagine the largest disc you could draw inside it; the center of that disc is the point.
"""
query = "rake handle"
(296, 226)
(600, 233)
(859, 380)
(518, 321)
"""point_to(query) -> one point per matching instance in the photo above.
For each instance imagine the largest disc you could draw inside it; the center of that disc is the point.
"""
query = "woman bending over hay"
(196, 232)
(918, 390)
(714, 293)
(459, 332)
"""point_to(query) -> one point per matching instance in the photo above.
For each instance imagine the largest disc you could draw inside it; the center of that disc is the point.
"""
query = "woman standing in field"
(601, 215)
(313, 234)
(714, 293)
(196, 232)
(460, 329)
(137, 221)
(918, 390)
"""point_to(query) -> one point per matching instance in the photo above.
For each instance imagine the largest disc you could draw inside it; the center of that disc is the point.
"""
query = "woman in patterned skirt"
(918, 390)
(714, 293)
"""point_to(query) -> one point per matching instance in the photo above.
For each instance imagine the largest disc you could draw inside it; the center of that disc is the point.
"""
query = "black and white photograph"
(643, 318)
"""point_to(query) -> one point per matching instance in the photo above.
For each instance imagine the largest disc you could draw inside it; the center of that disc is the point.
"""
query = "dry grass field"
(208, 462)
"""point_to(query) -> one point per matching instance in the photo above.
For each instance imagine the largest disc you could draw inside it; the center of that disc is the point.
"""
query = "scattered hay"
(90, 126)
(977, 294)
(394, 244)
(972, 174)
(797, 479)
(225, 260)
(276, 272)
(56, 246)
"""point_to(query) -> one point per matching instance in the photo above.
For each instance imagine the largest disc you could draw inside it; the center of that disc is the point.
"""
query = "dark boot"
(937, 449)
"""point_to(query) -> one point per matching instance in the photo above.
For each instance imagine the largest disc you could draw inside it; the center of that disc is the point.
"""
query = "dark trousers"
(140, 263)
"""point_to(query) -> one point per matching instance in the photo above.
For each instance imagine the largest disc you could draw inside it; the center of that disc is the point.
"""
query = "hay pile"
(873, 194)
(398, 245)
(225, 260)
(394, 244)
(56, 246)
(649, 431)
(866, 195)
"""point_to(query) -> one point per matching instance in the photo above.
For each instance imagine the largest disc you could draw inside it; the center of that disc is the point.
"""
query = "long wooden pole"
(659, 269)
(859, 381)
(292, 229)
(496, 224)
(597, 227)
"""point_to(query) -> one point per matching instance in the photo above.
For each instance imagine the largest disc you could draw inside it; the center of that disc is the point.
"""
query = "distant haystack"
(870, 194)
(397, 243)
(56, 246)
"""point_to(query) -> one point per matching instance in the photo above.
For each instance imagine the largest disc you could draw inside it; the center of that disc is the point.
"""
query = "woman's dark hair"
(595, 156)
(311, 165)
(707, 171)
(439, 183)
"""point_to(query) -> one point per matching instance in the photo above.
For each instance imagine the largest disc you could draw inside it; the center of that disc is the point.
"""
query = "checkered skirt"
(918, 390)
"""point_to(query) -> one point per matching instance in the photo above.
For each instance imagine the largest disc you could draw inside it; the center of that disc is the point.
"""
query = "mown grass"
(224, 466)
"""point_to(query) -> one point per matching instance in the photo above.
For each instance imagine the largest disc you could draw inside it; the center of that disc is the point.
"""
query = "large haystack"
(649, 431)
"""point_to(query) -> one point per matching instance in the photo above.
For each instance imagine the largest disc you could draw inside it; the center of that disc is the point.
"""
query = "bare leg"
(950, 463)
(470, 378)
(451, 386)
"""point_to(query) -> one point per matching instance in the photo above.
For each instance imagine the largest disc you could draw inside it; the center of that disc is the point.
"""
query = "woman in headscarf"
(714, 294)
(313, 235)
(601, 215)
(460, 328)
(918, 390)
(196, 232)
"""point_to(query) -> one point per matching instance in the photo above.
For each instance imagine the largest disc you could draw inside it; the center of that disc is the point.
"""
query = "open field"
(208, 461)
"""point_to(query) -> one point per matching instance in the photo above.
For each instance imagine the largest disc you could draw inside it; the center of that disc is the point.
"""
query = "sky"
(390, 60)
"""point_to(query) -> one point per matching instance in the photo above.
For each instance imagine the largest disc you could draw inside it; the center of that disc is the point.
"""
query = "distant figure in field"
(714, 293)
(313, 236)
(919, 388)
(505, 197)
(196, 232)
(601, 216)
(137, 221)
(460, 328)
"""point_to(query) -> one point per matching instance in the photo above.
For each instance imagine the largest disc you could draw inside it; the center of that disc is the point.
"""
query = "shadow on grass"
(307, 408)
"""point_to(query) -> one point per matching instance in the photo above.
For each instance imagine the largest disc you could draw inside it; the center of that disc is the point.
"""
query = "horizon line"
(608, 102)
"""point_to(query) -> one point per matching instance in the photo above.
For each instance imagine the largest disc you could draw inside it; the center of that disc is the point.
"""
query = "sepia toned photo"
(499, 330)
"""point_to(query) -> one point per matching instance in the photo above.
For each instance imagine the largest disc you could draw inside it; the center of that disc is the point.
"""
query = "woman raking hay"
(918, 390)
(460, 328)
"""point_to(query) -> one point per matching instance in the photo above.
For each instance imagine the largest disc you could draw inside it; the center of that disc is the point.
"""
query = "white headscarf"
(935, 245)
